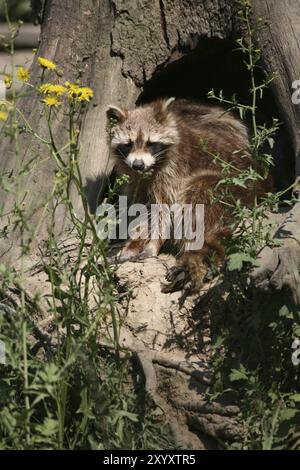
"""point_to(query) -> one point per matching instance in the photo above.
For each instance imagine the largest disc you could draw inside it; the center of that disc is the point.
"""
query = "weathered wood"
(279, 266)
(279, 41)
(119, 46)
(77, 37)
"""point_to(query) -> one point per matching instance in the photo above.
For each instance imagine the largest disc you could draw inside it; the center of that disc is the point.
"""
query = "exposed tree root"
(200, 374)
(206, 407)
(218, 427)
(279, 266)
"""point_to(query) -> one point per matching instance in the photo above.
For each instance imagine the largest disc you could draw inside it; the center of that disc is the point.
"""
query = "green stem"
(253, 112)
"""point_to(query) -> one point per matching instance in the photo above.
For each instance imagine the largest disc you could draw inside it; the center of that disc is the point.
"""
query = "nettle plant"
(252, 345)
(251, 229)
(57, 391)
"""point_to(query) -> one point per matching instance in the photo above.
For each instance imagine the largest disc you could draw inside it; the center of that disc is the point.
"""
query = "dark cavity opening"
(215, 64)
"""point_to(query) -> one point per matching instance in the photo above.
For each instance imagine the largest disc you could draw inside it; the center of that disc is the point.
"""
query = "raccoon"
(181, 145)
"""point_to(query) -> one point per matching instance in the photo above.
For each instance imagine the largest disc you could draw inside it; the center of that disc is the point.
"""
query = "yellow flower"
(46, 64)
(55, 89)
(23, 74)
(8, 81)
(78, 93)
(51, 100)
(3, 116)
(73, 87)
(86, 94)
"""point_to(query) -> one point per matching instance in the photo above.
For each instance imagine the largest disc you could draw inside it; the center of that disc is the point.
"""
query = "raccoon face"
(143, 136)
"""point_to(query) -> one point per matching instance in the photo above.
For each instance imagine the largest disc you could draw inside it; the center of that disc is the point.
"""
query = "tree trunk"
(143, 45)
(76, 36)
(280, 48)
(279, 42)
(118, 50)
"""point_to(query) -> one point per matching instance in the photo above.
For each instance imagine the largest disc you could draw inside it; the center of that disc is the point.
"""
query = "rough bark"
(279, 42)
(77, 37)
(279, 266)
(120, 48)
(117, 48)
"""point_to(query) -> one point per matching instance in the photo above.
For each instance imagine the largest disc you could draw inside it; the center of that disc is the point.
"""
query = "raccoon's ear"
(167, 103)
(118, 114)
(161, 109)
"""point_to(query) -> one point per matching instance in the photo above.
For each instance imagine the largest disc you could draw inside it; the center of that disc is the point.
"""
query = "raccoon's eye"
(157, 147)
(124, 149)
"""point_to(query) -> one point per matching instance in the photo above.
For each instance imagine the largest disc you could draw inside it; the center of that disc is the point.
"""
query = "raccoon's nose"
(138, 165)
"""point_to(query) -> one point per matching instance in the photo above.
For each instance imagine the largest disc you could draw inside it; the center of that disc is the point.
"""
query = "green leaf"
(48, 427)
(288, 414)
(238, 182)
(237, 375)
(295, 397)
(285, 313)
(126, 414)
(218, 342)
(236, 261)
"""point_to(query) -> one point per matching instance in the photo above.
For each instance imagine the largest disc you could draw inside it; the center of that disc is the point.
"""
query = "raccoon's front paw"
(138, 251)
(182, 276)
(177, 278)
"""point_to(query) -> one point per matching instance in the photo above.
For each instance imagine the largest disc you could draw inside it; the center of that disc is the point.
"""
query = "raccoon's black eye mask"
(124, 149)
(157, 148)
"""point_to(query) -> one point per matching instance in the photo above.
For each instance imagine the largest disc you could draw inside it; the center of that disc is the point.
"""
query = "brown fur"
(187, 173)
